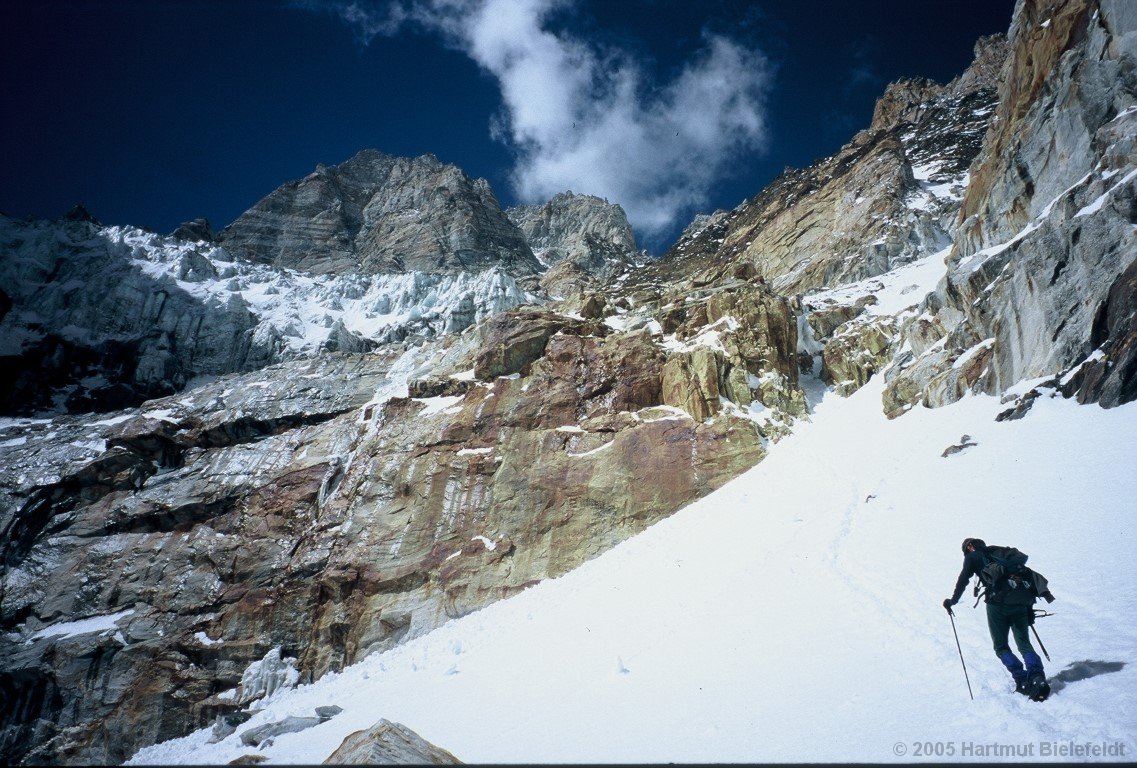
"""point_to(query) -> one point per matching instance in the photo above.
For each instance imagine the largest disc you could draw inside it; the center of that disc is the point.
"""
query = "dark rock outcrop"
(81, 214)
(196, 230)
(1109, 375)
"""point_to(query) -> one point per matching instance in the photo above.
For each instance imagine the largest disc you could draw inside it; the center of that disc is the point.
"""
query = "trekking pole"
(1040, 645)
(961, 661)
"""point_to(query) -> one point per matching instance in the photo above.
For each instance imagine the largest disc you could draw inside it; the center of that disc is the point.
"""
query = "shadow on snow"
(1083, 670)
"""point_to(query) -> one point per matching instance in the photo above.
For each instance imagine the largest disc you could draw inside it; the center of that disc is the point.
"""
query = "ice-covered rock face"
(379, 214)
(263, 678)
(373, 251)
(103, 317)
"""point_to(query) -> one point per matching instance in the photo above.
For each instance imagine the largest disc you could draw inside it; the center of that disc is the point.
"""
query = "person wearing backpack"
(1011, 590)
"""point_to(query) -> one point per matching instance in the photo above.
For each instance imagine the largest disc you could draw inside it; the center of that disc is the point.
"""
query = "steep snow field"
(793, 615)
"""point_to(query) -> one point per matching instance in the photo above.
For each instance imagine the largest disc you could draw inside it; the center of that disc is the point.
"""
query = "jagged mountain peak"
(986, 70)
(80, 213)
(372, 161)
(906, 100)
(377, 213)
(584, 231)
(901, 102)
(568, 196)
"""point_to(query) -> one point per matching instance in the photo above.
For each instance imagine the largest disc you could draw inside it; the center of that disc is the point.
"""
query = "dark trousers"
(1003, 618)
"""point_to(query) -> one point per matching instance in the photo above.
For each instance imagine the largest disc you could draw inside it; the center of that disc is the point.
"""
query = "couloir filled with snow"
(792, 615)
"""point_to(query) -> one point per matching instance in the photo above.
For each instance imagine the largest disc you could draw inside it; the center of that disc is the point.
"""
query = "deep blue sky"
(153, 113)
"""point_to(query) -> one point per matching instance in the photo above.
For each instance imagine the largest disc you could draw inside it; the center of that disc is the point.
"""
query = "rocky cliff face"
(337, 505)
(1036, 282)
(889, 196)
(579, 239)
(378, 214)
(166, 566)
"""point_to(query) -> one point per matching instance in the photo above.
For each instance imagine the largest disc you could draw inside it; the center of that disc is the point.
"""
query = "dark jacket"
(973, 563)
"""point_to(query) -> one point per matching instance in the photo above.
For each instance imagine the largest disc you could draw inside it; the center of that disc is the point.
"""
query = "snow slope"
(793, 615)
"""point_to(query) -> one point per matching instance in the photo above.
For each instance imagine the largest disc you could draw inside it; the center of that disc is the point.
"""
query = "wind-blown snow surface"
(793, 615)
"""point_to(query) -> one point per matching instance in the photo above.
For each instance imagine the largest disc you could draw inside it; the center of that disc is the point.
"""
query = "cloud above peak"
(591, 118)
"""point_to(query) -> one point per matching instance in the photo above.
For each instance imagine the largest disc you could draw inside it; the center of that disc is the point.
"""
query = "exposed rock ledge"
(387, 743)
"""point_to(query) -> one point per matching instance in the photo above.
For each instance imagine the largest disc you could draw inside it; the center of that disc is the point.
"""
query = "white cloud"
(361, 15)
(590, 119)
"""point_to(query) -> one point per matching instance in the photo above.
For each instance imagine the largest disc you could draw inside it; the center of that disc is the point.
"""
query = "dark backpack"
(1005, 572)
